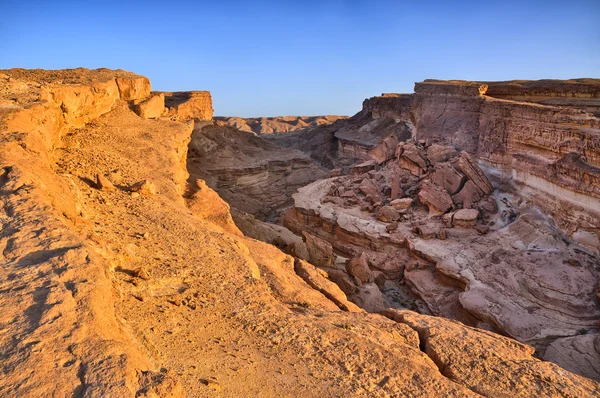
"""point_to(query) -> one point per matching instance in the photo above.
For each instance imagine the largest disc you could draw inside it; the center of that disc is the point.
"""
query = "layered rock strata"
(250, 173)
(540, 137)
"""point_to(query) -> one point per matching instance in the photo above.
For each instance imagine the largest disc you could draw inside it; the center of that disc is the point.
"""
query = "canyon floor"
(426, 246)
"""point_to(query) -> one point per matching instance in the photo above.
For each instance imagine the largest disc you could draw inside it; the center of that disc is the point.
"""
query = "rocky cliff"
(539, 137)
(488, 237)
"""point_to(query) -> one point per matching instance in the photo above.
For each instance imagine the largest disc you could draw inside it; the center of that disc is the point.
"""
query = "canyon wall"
(537, 135)
(251, 174)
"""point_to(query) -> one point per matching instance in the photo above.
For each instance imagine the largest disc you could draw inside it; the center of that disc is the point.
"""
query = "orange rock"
(152, 107)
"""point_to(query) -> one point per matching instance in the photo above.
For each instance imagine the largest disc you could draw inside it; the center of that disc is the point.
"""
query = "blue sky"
(266, 58)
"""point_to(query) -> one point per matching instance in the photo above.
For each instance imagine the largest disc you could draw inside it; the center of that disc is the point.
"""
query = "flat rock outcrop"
(476, 358)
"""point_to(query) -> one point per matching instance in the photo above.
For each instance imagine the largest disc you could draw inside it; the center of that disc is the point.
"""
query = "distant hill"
(277, 124)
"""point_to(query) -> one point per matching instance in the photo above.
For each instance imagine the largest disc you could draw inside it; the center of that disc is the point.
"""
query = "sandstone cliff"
(503, 262)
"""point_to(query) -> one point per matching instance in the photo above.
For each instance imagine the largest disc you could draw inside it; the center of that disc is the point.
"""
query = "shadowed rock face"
(137, 283)
(186, 105)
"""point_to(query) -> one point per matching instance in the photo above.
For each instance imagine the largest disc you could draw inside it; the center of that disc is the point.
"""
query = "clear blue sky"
(305, 57)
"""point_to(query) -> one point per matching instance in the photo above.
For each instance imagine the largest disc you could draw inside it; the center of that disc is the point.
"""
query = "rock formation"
(124, 275)
(251, 174)
(511, 199)
(189, 105)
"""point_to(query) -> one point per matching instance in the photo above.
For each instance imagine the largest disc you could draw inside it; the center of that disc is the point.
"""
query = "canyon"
(440, 243)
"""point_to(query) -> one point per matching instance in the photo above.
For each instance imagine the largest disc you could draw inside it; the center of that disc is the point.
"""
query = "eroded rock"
(144, 187)
(387, 214)
(435, 198)
(358, 267)
(465, 218)
(152, 107)
(104, 183)
(320, 252)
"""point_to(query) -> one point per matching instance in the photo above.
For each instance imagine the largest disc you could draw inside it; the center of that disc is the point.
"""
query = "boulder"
(440, 153)
(469, 167)
(447, 177)
(370, 190)
(401, 205)
(468, 195)
(364, 167)
(465, 218)
(385, 150)
(104, 184)
(435, 198)
(344, 281)
(320, 252)
(387, 214)
(151, 108)
(145, 187)
(427, 231)
(412, 159)
(447, 219)
(358, 267)
(442, 234)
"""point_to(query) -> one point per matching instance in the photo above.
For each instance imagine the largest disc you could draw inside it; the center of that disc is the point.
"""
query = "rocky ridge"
(276, 125)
